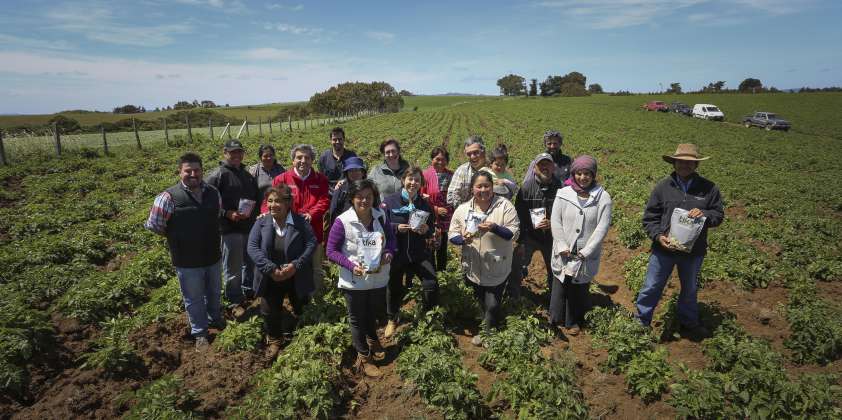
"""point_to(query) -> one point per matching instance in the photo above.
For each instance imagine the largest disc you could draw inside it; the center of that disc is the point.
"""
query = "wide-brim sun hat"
(353, 163)
(685, 151)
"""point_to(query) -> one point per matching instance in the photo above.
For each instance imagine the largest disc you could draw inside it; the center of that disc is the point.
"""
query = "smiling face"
(190, 174)
(412, 183)
(267, 158)
(363, 200)
(392, 153)
(685, 168)
(234, 157)
(499, 165)
(553, 145)
(475, 155)
(278, 205)
(302, 162)
(583, 177)
(354, 174)
(440, 162)
(482, 189)
(544, 169)
(337, 141)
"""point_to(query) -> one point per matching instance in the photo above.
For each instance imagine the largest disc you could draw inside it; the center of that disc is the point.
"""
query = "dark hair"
(263, 148)
(387, 142)
(414, 170)
(440, 150)
(354, 188)
(479, 173)
(189, 157)
(501, 151)
(282, 190)
(337, 130)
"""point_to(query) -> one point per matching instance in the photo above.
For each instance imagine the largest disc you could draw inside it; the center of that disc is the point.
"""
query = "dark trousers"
(569, 303)
(272, 304)
(489, 298)
(397, 289)
(529, 245)
(440, 253)
(364, 307)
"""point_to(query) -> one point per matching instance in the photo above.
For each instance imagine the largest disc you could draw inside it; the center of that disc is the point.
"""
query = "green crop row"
(815, 325)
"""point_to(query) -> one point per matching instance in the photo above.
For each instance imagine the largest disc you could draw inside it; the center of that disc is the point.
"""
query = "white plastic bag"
(369, 248)
(684, 230)
(418, 218)
(245, 207)
(537, 215)
(473, 221)
(572, 267)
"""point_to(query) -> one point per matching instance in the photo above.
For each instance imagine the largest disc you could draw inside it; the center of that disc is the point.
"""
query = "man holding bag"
(687, 190)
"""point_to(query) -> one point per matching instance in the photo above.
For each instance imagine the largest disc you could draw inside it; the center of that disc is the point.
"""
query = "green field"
(74, 253)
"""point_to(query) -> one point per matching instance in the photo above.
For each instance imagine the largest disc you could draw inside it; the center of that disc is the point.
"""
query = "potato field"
(92, 324)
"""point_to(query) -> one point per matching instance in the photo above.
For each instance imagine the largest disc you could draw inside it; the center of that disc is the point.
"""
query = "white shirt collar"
(282, 230)
(303, 178)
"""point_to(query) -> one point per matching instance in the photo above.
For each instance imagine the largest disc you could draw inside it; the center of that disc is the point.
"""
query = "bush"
(240, 336)
(166, 398)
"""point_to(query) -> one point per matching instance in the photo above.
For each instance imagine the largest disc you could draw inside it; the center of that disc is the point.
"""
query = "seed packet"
(418, 218)
(245, 207)
(684, 230)
(369, 248)
(572, 267)
(473, 221)
(537, 215)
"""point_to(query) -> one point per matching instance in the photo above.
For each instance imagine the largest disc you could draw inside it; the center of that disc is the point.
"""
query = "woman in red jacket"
(437, 179)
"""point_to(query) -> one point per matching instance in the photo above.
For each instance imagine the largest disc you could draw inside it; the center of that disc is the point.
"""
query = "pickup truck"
(655, 106)
(768, 120)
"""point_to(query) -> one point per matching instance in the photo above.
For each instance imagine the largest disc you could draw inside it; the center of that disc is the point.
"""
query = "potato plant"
(240, 336)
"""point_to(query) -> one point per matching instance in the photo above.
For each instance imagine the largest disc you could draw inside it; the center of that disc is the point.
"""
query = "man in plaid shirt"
(188, 215)
(460, 185)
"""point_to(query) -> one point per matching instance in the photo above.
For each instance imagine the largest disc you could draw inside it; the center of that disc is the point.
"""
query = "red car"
(656, 106)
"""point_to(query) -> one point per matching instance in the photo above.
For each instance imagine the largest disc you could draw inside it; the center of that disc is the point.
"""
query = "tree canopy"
(512, 85)
(571, 84)
(357, 96)
(750, 85)
(595, 88)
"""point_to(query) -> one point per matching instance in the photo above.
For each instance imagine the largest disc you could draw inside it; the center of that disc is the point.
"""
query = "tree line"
(135, 109)
(571, 84)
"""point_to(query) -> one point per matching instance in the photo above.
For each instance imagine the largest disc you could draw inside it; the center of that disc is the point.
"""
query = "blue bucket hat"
(352, 162)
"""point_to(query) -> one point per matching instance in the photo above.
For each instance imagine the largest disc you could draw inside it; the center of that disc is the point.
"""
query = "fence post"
(246, 120)
(289, 117)
(136, 135)
(210, 128)
(166, 133)
(189, 131)
(227, 128)
(260, 126)
(305, 122)
(270, 126)
(3, 160)
(104, 140)
(57, 138)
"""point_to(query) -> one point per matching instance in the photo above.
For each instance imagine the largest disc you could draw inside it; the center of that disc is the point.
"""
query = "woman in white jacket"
(580, 218)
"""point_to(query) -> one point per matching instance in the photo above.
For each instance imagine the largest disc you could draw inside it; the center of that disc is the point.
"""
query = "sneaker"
(574, 330)
(477, 340)
(391, 326)
(202, 344)
(363, 365)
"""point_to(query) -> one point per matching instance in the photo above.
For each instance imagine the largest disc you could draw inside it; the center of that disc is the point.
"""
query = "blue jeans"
(200, 289)
(237, 267)
(660, 268)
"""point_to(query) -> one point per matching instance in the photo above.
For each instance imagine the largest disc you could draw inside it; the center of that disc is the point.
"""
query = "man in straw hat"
(684, 189)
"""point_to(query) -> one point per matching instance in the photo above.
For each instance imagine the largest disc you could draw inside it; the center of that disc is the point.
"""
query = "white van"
(708, 112)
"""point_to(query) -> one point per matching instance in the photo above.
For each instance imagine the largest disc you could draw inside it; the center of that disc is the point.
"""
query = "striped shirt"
(163, 207)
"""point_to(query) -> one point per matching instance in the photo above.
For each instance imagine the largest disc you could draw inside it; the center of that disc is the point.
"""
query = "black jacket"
(233, 184)
(562, 166)
(668, 195)
(299, 252)
(534, 195)
(412, 247)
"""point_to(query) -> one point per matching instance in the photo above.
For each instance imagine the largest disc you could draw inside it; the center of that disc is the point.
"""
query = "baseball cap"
(232, 145)
(543, 156)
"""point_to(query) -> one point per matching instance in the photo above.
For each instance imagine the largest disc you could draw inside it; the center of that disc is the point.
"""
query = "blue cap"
(352, 162)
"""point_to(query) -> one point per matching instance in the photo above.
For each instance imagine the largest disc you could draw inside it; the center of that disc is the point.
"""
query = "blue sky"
(93, 54)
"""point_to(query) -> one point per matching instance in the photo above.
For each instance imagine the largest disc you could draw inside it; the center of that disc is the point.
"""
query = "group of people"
(266, 230)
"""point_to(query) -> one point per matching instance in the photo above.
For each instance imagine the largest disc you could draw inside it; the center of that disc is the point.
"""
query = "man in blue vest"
(188, 215)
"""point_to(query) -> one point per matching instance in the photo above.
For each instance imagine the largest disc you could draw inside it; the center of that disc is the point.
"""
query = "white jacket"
(352, 225)
(569, 220)
(487, 260)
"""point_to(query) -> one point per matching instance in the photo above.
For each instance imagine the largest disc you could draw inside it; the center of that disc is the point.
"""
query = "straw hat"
(685, 151)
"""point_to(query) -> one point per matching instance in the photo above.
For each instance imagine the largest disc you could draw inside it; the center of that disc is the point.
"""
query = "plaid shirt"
(163, 207)
(460, 185)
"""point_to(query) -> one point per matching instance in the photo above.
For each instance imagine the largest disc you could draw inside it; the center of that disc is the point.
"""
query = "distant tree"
(142, 109)
(533, 87)
(571, 84)
(128, 109)
(182, 105)
(65, 124)
(675, 87)
(774, 90)
(226, 105)
(714, 87)
(405, 92)
(512, 85)
(750, 85)
(594, 88)
(208, 104)
(357, 96)
(195, 103)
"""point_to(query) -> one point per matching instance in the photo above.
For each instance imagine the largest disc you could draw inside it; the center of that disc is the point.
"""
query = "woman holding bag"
(362, 243)
(579, 222)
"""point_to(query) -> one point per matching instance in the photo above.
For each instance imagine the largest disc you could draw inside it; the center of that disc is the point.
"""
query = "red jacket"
(309, 196)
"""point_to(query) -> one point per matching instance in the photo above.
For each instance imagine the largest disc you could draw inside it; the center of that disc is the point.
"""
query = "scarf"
(409, 208)
(584, 162)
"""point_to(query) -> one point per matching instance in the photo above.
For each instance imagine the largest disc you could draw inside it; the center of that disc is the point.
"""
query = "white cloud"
(15, 42)
(97, 23)
(292, 29)
(610, 14)
(380, 36)
(269, 54)
(294, 8)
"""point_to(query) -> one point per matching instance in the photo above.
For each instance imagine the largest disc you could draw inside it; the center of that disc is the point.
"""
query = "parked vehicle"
(655, 106)
(768, 120)
(681, 108)
(708, 112)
